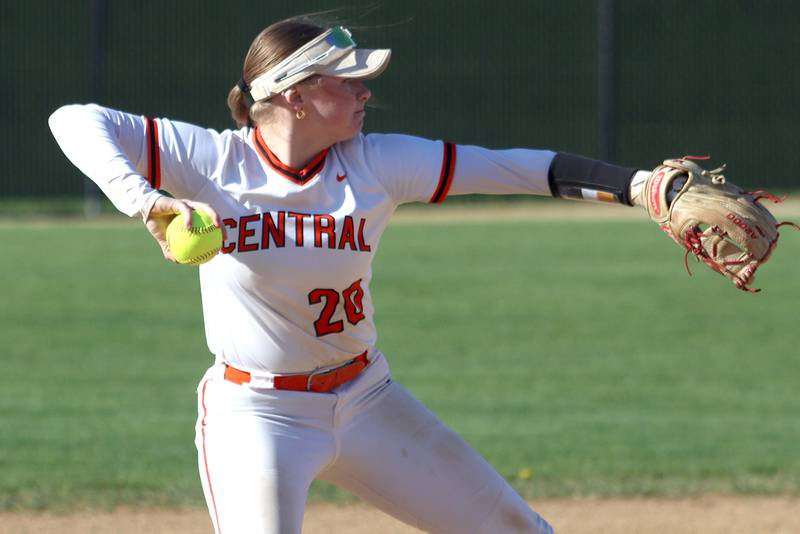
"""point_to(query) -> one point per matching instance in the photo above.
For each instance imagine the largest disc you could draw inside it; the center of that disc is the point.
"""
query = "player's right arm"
(131, 158)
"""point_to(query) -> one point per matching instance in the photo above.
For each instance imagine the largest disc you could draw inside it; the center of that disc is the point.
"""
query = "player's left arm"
(414, 169)
(543, 172)
(723, 225)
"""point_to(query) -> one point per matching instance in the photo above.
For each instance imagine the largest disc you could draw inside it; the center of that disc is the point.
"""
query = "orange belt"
(317, 381)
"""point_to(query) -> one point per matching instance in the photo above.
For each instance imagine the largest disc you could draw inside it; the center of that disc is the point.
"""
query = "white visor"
(333, 53)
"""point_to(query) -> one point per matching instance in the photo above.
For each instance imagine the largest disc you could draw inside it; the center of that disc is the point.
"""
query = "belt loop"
(308, 382)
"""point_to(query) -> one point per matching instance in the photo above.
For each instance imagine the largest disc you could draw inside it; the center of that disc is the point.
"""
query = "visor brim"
(359, 63)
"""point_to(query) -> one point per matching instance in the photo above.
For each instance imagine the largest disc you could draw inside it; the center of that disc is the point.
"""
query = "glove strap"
(665, 185)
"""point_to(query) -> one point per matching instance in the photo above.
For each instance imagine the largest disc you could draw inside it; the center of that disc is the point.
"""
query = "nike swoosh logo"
(340, 177)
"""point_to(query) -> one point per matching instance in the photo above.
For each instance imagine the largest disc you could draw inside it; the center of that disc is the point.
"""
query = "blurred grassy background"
(576, 356)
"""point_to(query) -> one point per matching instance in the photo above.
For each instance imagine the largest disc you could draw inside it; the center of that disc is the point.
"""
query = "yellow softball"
(195, 246)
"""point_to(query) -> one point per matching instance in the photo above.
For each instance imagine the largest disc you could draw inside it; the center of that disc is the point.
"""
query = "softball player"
(298, 389)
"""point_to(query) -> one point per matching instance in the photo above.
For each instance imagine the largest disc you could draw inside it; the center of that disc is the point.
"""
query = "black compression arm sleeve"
(572, 176)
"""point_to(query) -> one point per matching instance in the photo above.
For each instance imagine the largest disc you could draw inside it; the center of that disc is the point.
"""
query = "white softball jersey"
(290, 291)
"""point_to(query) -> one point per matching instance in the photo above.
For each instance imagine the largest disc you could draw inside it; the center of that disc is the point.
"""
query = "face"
(337, 106)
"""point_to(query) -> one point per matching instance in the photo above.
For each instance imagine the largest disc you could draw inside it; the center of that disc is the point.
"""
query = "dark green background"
(693, 77)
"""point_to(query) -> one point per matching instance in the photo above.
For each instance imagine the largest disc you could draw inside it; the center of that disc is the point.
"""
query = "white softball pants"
(259, 450)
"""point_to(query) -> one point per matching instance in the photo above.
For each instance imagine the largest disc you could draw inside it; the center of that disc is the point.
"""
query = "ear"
(292, 96)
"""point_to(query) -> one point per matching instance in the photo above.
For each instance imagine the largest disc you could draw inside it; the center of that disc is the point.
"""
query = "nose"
(362, 92)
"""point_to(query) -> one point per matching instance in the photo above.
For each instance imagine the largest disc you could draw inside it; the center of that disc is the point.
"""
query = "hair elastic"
(248, 98)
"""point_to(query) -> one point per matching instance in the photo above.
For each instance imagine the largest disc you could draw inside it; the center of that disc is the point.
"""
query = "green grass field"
(578, 357)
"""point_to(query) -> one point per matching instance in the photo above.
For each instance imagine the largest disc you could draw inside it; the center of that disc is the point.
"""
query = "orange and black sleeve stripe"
(153, 159)
(446, 174)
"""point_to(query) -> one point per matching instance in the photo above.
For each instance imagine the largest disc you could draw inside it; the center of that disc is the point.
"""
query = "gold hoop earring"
(300, 114)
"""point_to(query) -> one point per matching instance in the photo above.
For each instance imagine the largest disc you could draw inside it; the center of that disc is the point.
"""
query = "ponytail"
(269, 48)
(240, 111)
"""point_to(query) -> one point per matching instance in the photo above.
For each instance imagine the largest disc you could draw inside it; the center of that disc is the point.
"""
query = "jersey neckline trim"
(298, 176)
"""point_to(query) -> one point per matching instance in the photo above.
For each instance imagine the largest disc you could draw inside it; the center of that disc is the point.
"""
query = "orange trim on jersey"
(153, 154)
(301, 176)
(205, 457)
(446, 174)
(157, 153)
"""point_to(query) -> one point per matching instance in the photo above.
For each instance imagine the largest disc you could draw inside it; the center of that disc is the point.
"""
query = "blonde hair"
(274, 44)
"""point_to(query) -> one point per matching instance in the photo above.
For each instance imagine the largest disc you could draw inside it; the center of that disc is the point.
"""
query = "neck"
(292, 142)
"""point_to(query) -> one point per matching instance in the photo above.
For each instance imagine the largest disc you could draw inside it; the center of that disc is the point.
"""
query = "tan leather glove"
(722, 225)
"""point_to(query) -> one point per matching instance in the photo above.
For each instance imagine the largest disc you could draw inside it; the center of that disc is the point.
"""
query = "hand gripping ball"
(195, 246)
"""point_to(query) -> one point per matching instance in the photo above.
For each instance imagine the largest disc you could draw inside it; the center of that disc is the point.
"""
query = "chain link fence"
(632, 81)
